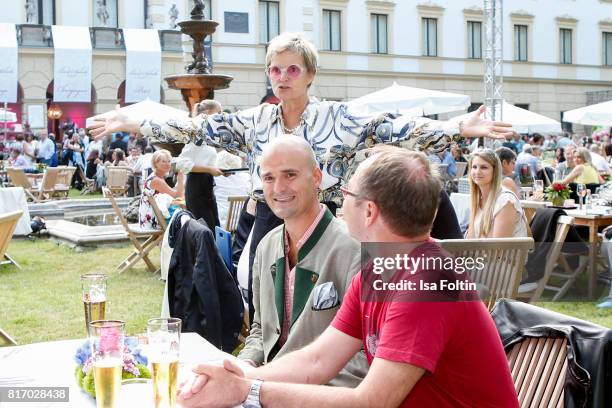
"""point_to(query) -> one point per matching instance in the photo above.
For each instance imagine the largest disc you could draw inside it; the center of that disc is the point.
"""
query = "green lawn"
(43, 300)
(74, 193)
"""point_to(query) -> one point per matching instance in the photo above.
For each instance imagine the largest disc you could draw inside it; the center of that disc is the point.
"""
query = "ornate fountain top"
(198, 10)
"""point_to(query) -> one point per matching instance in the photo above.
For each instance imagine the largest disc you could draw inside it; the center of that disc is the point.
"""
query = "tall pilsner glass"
(94, 296)
(106, 339)
(163, 344)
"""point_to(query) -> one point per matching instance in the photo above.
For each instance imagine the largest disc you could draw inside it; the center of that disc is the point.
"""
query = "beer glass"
(94, 296)
(163, 345)
(106, 339)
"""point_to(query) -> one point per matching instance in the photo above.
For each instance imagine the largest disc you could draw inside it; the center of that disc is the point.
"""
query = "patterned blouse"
(334, 133)
(146, 215)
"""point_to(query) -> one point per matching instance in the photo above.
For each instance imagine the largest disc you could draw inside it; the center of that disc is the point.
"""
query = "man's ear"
(372, 212)
(318, 177)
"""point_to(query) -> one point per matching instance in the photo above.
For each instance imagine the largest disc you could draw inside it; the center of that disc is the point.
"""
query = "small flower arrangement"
(557, 193)
(134, 364)
(40, 167)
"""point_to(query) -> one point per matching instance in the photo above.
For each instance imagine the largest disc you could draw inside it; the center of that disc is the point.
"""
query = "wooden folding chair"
(161, 220)
(90, 184)
(117, 180)
(504, 261)
(6, 339)
(63, 181)
(8, 223)
(135, 234)
(461, 168)
(538, 367)
(19, 179)
(233, 213)
(48, 185)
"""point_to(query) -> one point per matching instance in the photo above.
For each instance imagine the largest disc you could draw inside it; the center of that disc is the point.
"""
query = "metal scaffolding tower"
(493, 58)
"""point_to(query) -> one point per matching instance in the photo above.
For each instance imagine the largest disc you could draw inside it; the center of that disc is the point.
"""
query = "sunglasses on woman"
(293, 71)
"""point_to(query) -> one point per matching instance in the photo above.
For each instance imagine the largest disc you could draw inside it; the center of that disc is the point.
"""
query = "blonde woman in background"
(495, 210)
(155, 184)
(583, 171)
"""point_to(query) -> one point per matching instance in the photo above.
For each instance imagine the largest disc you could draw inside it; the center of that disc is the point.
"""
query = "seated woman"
(496, 212)
(155, 185)
(94, 169)
(117, 159)
(583, 171)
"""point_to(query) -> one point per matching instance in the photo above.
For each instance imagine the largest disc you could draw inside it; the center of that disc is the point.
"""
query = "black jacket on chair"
(544, 227)
(588, 382)
(201, 291)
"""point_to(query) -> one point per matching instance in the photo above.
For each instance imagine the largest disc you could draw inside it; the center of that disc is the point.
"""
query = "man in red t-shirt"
(425, 348)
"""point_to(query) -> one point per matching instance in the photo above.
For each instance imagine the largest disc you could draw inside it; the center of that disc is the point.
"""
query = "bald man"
(302, 268)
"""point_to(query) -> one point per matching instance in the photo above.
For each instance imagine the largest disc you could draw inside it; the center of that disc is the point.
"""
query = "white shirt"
(143, 163)
(46, 148)
(194, 155)
(505, 197)
(599, 162)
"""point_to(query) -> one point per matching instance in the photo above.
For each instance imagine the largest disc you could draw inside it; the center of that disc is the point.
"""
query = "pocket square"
(325, 296)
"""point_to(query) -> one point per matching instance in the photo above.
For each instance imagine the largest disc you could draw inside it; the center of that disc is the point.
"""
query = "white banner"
(142, 65)
(72, 64)
(8, 63)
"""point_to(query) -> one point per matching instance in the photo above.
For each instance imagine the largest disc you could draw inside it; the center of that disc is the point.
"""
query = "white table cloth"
(51, 364)
(13, 199)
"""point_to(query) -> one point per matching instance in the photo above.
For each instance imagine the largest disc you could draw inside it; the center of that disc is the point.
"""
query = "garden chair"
(8, 223)
(90, 184)
(504, 260)
(233, 213)
(19, 179)
(461, 168)
(555, 257)
(538, 367)
(63, 181)
(117, 180)
(161, 220)
(6, 339)
(135, 233)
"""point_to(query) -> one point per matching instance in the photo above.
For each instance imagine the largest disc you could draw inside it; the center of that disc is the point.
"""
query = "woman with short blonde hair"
(155, 184)
(496, 211)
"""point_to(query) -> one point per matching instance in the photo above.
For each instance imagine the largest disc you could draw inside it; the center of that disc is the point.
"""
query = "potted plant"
(557, 193)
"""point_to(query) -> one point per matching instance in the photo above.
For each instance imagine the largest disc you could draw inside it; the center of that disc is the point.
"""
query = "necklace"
(293, 131)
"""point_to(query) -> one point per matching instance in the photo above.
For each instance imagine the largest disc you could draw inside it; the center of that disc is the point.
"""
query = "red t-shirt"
(455, 342)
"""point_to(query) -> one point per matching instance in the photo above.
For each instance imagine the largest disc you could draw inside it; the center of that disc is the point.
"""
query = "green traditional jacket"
(329, 255)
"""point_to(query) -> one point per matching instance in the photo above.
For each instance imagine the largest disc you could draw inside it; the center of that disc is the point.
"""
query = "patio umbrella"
(524, 121)
(596, 115)
(145, 110)
(408, 100)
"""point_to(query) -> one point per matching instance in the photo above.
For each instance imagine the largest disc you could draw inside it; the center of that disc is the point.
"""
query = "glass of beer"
(106, 339)
(94, 296)
(163, 344)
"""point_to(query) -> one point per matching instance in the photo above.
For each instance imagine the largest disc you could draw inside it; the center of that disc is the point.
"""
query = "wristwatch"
(252, 400)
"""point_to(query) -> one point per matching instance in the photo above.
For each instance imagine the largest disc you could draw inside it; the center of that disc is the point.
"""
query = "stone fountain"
(199, 82)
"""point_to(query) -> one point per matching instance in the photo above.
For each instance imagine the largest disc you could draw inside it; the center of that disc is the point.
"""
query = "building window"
(331, 30)
(430, 36)
(607, 49)
(40, 12)
(269, 21)
(379, 33)
(105, 13)
(520, 42)
(474, 36)
(565, 46)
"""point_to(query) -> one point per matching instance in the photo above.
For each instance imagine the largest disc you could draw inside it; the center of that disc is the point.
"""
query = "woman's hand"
(115, 122)
(476, 126)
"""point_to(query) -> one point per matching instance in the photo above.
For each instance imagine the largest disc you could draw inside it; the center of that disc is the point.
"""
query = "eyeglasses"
(293, 71)
(347, 192)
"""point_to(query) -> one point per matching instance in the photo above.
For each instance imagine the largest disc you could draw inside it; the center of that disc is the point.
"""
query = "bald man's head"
(291, 177)
(294, 146)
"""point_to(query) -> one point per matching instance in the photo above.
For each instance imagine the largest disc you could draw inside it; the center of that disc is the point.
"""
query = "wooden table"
(530, 207)
(592, 220)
